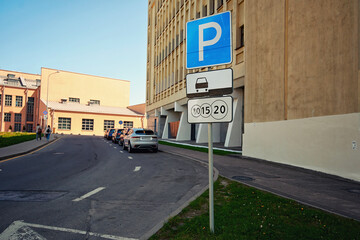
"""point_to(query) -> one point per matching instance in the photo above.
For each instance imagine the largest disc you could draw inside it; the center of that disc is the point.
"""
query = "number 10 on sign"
(210, 110)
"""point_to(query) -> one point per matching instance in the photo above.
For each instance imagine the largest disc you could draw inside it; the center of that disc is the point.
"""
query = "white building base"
(329, 144)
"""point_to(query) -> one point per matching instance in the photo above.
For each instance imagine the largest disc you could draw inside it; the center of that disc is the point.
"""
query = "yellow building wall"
(76, 122)
(62, 85)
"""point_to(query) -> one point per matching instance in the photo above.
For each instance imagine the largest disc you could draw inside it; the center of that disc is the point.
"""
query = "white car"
(140, 138)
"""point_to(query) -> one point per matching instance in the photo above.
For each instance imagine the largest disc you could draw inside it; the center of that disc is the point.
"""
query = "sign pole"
(211, 181)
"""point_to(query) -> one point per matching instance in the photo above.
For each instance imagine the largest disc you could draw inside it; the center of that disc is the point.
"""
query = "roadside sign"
(210, 83)
(210, 110)
(45, 112)
(208, 41)
(120, 122)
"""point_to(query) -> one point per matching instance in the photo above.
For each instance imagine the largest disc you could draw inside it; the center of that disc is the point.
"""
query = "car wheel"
(120, 143)
(155, 150)
(130, 150)
(124, 148)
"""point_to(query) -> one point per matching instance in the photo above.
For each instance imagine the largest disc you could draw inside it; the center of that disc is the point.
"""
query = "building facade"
(71, 103)
(296, 79)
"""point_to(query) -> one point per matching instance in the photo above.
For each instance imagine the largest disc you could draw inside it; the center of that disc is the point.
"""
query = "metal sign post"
(211, 180)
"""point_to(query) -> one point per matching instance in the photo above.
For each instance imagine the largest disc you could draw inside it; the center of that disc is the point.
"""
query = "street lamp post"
(47, 97)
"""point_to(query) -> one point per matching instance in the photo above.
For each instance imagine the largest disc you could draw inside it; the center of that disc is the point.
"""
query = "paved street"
(88, 188)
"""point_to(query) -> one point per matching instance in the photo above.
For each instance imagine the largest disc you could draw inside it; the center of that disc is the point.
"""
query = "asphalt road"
(89, 188)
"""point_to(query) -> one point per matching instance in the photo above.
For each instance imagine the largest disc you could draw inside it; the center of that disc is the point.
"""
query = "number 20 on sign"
(210, 110)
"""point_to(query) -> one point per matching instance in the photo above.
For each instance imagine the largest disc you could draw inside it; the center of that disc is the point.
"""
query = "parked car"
(122, 135)
(140, 138)
(116, 135)
(110, 133)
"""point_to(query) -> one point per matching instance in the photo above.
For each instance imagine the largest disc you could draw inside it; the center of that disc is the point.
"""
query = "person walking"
(38, 132)
(48, 132)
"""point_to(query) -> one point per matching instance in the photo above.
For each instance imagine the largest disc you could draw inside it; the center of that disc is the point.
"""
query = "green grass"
(11, 138)
(243, 212)
(215, 151)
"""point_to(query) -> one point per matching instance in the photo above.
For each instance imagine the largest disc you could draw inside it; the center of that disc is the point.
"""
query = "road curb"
(158, 226)
(2, 159)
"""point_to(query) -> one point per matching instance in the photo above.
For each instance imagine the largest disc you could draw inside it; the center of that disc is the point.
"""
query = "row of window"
(8, 100)
(88, 124)
(7, 117)
(77, 100)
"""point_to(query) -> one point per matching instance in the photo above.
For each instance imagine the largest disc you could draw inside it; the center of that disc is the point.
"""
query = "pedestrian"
(48, 132)
(38, 132)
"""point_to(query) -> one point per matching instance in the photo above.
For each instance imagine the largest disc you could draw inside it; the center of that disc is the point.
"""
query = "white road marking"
(12, 234)
(0, 170)
(137, 168)
(121, 151)
(129, 157)
(115, 147)
(59, 153)
(89, 194)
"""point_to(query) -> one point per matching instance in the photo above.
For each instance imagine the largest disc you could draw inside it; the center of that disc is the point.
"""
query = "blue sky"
(97, 37)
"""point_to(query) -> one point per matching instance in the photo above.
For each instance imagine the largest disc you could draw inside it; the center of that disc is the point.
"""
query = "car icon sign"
(201, 85)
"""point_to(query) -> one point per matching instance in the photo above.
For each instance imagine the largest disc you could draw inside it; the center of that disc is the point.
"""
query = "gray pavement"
(328, 192)
(24, 147)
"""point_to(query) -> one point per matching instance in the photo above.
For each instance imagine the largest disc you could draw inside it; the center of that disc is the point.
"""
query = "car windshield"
(144, 132)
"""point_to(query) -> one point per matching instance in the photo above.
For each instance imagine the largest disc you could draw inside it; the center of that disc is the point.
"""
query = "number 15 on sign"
(210, 110)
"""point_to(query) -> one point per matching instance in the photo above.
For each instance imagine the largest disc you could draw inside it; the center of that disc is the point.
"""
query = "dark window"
(128, 124)
(88, 124)
(18, 117)
(30, 109)
(76, 100)
(8, 100)
(177, 40)
(144, 132)
(19, 101)
(212, 7)
(240, 37)
(29, 127)
(181, 35)
(0, 98)
(219, 3)
(204, 11)
(198, 15)
(92, 101)
(64, 123)
(17, 127)
(7, 117)
(109, 124)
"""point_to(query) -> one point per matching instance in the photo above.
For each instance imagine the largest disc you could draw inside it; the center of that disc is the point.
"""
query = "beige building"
(296, 79)
(77, 103)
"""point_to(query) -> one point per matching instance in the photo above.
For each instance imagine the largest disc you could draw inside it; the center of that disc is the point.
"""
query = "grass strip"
(200, 149)
(243, 212)
(11, 138)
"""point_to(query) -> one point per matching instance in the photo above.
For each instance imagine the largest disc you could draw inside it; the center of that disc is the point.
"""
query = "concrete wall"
(68, 84)
(321, 143)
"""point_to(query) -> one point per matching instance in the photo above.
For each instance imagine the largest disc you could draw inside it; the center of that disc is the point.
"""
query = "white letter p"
(203, 43)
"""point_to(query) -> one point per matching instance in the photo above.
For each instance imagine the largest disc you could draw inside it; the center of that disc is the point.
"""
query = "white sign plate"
(210, 110)
(210, 83)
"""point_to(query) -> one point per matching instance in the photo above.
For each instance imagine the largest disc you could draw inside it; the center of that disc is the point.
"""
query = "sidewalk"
(320, 190)
(24, 147)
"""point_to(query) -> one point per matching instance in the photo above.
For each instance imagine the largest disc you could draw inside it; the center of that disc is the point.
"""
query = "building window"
(18, 117)
(88, 124)
(76, 100)
(19, 101)
(64, 123)
(109, 124)
(8, 100)
(94, 101)
(0, 98)
(7, 117)
(219, 3)
(197, 15)
(30, 109)
(204, 10)
(29, 127)
(240, 37)
(212, 7)
(17, 127)
(128, 124)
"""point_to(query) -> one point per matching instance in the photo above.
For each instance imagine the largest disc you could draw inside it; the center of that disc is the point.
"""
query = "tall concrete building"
(296, 79)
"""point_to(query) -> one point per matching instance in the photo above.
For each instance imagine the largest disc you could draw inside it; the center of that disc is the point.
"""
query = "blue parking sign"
(208, 41)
